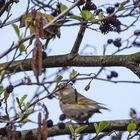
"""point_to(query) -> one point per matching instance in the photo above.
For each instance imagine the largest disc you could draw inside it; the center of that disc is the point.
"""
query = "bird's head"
(66, 92)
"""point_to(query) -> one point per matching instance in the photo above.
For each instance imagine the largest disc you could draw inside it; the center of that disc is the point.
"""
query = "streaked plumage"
(76, 106)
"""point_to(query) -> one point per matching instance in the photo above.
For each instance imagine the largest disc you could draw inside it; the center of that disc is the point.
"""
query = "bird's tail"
(105, 108)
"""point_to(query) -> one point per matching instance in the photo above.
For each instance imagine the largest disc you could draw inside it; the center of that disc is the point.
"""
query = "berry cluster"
(89, 6)
(117, 42)
(61, 125)
(110, 24)
(113, 74)
(110, 10)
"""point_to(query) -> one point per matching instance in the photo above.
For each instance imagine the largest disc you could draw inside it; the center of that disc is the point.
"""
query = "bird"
(2, 3)
(76, 106)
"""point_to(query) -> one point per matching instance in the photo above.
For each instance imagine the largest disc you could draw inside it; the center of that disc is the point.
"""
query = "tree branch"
(131, 62)
(116, 125)
(45, 27)
(63, 60)
(79, 38)
(135, 68)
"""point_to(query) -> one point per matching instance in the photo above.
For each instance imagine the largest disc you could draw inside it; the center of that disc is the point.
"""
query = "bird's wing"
(82, 100)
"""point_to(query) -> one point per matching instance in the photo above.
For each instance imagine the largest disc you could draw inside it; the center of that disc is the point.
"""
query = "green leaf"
(96, 128)
(25, 120)
(17, 99)
(63, 7)
(131, 127)
(92, 18)
(1, 89)
(22, 48)
(30, 111)
(23, 98)
(21, 115)
(16, 29)
(80, 129)
(75, 17)
(2, 74)
(73, 73)
(72, 131)
(103, 125)
(58, 79)
(27, 105)
(87, 15)
(6, 95)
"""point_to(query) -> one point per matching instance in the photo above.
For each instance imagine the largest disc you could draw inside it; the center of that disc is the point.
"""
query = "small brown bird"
(76, 106)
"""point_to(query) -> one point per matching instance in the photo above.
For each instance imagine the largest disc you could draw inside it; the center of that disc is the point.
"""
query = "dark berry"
(137, 32)
(89, 6)
(62, 117)
(117, 42)
(105, 28)
(109, 41)
(114, 74)
(117, 5)
(136, 44)
(9, 89)
(73, 81)
(109, 77)
(110, 10)
(61, 125)
(55, 13)
(49, 123)
(50, 97)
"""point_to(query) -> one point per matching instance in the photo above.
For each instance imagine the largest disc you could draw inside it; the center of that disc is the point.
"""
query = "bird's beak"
(56, 92)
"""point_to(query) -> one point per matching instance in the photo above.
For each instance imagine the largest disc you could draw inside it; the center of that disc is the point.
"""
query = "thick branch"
(128, 61)
(135, 68)
(116, 125)
(63, 60)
